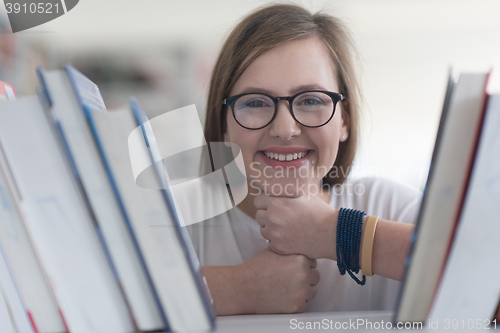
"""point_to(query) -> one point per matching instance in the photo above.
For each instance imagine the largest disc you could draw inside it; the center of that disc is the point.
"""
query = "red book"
(7, 91)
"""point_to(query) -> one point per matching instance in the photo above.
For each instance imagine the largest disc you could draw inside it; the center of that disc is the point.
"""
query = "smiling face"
(286, 156)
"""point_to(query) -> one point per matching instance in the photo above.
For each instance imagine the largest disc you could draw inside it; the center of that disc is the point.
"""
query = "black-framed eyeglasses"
(313, 108)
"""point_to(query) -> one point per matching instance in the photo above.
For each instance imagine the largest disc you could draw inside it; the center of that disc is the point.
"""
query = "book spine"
(65, 323)
(464, 189)
(19, 314)
(197, 274)
(497, 313)
(413, 238)
(32, 321)
(121, 205)
(78, 179)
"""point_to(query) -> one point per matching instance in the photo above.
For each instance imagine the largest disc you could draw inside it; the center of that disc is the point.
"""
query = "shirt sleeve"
(381, 197)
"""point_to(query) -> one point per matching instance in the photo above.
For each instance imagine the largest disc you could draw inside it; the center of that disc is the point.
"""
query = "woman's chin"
(284, 187)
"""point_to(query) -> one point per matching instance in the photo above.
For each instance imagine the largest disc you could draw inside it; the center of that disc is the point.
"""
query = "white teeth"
(283, 157)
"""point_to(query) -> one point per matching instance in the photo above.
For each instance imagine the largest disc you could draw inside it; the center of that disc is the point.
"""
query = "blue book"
(174, 268)
(182, 233)
(71, 96)
(59, 221)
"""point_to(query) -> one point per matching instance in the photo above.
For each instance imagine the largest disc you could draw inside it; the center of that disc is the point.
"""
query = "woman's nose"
(284, 125)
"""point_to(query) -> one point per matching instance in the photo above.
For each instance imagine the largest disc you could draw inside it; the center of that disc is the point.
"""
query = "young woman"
(284, 90)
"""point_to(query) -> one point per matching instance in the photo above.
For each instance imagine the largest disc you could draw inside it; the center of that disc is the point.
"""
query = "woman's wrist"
(363, 229)
(226, 284)
(331, 228)
(243, 293)
(331, 246)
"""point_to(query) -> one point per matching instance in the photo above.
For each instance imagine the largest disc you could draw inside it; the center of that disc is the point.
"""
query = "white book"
(59, 221)
(13, 302)
(23, 259)
(470, 288)
(6, 324)
(166, 256)
(443, 196)
(64, 88)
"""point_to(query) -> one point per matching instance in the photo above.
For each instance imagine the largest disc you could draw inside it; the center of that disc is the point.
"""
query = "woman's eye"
(255, 104)
(311, 101)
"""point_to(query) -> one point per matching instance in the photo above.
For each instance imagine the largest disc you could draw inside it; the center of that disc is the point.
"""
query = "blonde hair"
(273, 26)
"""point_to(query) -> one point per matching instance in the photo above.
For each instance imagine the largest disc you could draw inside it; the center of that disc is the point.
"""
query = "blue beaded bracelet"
(348, 240)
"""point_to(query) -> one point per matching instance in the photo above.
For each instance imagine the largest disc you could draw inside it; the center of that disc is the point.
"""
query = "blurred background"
(162, 52)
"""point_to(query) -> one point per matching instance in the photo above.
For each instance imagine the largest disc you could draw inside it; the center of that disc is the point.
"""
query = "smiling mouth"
(285, 157)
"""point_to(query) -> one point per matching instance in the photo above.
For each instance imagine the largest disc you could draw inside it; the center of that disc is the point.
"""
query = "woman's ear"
(345, 121)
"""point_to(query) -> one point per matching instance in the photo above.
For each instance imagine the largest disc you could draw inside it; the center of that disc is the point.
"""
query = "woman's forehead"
(304, 62)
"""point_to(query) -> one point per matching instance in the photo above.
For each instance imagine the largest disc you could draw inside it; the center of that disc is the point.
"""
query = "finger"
(265, 233)
(262, 201)
(315, 277)
(313, 263)
(311, 293)
(261, 218)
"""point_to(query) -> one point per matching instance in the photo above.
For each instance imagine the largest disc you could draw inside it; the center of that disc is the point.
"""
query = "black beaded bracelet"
(348, 240)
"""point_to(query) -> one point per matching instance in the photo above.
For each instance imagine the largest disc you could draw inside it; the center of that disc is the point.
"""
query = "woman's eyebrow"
(293, 91)
(256, 90)
(306, 87)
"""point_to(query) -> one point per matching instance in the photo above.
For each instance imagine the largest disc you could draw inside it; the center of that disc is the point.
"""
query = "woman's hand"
(279, 284)
(309, 227)
(298, 225)
(267, 283)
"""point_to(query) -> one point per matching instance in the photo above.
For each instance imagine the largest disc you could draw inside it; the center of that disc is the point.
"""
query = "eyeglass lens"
(309, 108)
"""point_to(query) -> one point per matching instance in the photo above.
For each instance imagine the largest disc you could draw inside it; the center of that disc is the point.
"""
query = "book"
(444, 193)
(16, 311)
(59, 220)
(7, 91)
(470, 287)
(156, 225)
(23, 259)
(72, 96)
(6, 324)
(177, 220)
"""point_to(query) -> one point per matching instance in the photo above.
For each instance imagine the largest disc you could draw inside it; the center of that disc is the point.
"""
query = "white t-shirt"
(233, 238)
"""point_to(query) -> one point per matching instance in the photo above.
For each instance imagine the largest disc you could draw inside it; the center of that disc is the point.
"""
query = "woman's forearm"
(282, 223)
(390, 248)
(267, 283)
(224, 287)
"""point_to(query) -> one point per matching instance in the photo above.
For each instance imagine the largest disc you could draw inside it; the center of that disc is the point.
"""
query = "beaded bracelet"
(348, 239)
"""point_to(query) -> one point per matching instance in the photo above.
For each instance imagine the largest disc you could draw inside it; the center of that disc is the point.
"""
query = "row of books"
(453, 269)
(82, 247)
